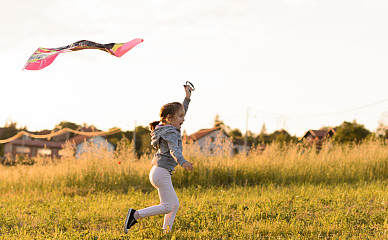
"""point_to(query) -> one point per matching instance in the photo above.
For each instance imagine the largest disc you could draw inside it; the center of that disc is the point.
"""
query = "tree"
(116, 137)
(10, 129)
(282, 136)
(263, 130)
(279, 136)
(382, 131)
(218, 122)
(263, 137)
(143, 140)
(235, 133)
(250, 138)
(325, 128)
(351, 132)
(65, 124)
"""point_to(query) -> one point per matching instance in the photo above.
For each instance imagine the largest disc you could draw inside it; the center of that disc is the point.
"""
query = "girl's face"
(176, 120)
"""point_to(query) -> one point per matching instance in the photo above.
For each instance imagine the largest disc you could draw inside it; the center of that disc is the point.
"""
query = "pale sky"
(293, 63)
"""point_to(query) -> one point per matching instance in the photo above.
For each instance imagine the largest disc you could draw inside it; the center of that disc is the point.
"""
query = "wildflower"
(119, 162)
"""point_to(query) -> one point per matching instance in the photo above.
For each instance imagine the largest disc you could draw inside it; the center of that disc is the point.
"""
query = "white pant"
(160, 178)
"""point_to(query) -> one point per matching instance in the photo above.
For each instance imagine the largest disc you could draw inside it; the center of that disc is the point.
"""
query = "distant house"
(59, 138)
(317, 137)
(238, 145)
(87, 143)
(213, 141)
(32, 147)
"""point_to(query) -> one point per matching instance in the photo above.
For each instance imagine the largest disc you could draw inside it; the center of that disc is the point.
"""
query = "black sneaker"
(130, 220)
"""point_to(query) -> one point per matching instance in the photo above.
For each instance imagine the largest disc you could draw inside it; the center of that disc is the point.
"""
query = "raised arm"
(187, 99)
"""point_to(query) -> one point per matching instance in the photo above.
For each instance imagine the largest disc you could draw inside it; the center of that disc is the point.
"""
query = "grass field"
(284, 192)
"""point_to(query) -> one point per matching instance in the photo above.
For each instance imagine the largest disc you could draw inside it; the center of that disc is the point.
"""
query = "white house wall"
(97, 142)
(216, 143)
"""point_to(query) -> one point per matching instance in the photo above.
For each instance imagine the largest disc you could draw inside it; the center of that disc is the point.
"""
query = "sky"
(292, 64)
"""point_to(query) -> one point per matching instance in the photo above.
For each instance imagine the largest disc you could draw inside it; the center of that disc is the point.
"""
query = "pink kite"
(43, 57)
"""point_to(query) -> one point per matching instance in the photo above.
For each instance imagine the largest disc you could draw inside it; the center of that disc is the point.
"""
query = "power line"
(324, 114)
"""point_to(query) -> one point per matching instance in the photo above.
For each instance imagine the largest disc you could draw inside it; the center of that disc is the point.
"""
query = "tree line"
(142, 141)
(345, 133)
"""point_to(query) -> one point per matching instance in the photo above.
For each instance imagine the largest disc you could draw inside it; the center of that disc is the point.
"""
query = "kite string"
(60, 132)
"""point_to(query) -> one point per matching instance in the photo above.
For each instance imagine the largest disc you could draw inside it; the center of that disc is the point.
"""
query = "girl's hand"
(188, 166)
(188, 90)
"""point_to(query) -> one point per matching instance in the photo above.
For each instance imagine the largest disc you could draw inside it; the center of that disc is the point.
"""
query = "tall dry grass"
(98, 170)
(287, 164)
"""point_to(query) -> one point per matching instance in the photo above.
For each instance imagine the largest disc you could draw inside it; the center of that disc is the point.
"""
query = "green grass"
(285, 192)
(345, 211)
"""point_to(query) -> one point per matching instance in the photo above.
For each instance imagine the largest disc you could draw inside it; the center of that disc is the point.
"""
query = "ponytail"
(153, 125)
(169, 108)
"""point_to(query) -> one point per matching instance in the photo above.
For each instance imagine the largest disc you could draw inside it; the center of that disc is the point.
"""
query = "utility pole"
(246, 133)
(282, 121)
(23, 150)
(134, 142)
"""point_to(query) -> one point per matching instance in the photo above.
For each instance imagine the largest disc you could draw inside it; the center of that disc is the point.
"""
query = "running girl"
(166, 138)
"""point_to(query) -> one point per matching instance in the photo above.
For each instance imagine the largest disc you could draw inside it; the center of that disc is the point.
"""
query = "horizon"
(255, 134)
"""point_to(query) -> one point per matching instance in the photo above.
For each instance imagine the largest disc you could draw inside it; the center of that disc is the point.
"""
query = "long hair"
(169, 108)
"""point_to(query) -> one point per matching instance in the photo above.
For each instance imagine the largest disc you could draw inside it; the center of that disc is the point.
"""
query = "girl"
(166, 137)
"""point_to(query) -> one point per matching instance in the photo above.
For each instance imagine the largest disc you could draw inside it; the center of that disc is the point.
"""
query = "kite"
(43, 57)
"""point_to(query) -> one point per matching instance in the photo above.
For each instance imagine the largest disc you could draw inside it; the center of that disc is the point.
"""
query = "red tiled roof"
(43, 132)
(79, 139)
(203, 132)
(318, 133)
(239, 142)
(89, 129)
(37, 143)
